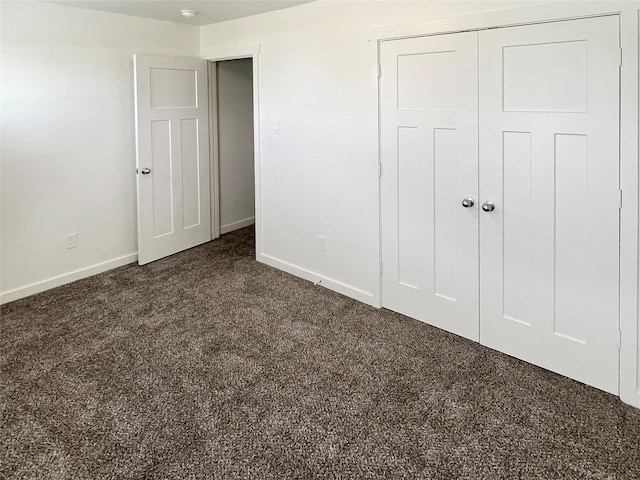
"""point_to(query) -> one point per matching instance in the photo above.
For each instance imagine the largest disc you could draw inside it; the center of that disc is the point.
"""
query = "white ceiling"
(209, 11)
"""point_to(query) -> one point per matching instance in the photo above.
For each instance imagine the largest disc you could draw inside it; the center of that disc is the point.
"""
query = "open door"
(172, 155)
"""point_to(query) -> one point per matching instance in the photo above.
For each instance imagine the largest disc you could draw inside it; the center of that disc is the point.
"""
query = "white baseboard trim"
(330, 283)
(21, 292)
(632, 398)
(230, 227)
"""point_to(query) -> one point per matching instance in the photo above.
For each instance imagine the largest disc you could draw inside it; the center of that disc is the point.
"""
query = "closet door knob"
(467, 202)
(488, 206)
(145, 171)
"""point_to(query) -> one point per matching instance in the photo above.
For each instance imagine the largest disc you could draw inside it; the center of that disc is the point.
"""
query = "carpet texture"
(208, 364)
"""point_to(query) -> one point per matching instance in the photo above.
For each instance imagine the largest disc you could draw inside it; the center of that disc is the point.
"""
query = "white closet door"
(172, 140)
(429, 128)
(549, 162)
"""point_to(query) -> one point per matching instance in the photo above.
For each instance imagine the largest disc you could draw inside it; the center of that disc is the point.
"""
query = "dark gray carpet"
(211, 365)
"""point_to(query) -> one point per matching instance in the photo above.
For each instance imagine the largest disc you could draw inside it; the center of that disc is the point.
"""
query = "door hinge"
(379, 169)
(620, 199)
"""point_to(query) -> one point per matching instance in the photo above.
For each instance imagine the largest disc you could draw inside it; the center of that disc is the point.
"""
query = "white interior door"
(549, 162)
(429, 141)
(172, 139)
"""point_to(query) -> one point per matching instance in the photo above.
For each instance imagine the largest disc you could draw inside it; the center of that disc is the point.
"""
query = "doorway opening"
(233, 192)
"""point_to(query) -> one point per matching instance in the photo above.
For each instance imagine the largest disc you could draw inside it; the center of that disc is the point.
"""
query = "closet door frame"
(629, 17)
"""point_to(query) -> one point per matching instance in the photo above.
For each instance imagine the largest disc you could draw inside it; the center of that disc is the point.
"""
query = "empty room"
(326, 239)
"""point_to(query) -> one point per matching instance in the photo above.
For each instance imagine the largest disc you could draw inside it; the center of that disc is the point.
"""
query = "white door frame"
(629, 15)
(214, 154)
(217, 55)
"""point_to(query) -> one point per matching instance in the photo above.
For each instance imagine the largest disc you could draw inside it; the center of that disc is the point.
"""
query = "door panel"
(429, 140)
(172, 155)
(549, 161)
(162, 207)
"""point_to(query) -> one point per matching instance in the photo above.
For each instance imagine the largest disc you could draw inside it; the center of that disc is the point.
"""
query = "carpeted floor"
(208, 364)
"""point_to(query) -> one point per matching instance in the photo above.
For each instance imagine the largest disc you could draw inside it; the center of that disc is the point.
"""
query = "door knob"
(488, 206)
(145, 171)
(467, 202)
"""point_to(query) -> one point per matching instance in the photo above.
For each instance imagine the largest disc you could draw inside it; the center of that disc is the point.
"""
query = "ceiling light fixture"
(188, 13)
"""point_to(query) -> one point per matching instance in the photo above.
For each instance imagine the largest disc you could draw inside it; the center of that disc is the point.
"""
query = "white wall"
(235, 150)
(68, 149)
(317, 80)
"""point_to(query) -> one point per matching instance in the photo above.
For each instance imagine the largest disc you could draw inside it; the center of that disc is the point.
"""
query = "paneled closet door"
(429, 128)
(549, 164)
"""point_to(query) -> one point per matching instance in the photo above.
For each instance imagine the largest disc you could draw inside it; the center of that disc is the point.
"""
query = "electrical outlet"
(71, 240)
(322, 243)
